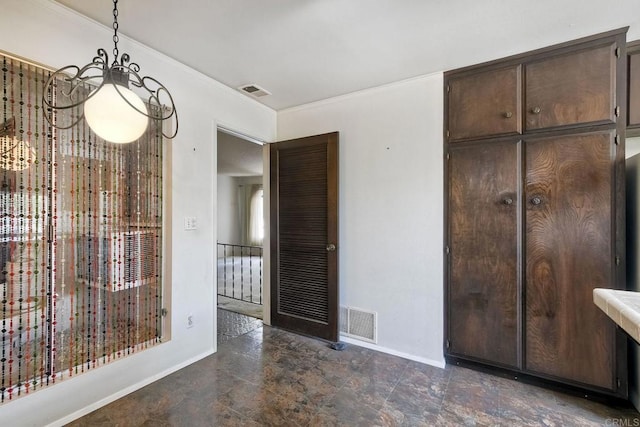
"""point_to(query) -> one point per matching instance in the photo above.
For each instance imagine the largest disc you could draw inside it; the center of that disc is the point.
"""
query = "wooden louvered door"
(304, 235)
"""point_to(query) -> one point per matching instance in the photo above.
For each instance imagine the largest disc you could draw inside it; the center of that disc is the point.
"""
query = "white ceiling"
(307, 50)
(238, 157)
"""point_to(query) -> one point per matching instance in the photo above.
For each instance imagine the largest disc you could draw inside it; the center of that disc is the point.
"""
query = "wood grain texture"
(634, 90)
(570, 89)
(485, 104)
(568, 192)
(483, 265)
(304, 215)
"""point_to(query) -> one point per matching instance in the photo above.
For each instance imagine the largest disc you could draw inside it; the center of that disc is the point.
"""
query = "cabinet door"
(571, 89)
(483, 260)
(569, 252)
(484, 104)
(634, 90)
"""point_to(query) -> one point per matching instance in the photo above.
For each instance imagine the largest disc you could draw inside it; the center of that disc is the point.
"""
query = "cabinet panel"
(568, 193)
(483, 212)
(571, 89)
(634, 89)
(485, 104)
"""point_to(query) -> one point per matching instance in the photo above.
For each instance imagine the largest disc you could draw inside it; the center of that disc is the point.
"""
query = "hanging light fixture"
(15, 154)
(112, 110)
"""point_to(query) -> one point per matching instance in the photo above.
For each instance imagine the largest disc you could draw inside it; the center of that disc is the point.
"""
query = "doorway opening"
(240, 264)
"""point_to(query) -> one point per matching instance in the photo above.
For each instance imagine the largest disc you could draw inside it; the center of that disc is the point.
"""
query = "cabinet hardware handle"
(508, 115)
(508, 201)
(536, 200)
(331, 247)
(536, 110)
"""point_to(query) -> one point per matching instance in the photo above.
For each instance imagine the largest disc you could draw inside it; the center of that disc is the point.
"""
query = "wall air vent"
(358, 324)
(254, 90)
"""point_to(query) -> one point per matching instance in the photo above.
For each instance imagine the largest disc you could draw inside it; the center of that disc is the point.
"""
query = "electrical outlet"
(190, 321)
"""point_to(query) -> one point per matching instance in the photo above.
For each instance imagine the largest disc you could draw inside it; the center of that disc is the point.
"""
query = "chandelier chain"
(120, 74)
(115, 32)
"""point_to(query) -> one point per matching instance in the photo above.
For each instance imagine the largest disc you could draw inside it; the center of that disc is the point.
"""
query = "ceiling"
(307, 50)
(238, 157)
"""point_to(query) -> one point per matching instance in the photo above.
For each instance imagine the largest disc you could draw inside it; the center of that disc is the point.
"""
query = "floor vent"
(359, 324)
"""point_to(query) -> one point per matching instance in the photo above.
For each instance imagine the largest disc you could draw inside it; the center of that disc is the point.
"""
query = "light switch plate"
(190, 223)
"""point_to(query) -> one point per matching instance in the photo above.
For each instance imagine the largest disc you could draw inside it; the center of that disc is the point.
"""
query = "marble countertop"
(623, 307)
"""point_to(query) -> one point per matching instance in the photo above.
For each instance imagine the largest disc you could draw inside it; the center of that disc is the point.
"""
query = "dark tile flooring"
(265, 376)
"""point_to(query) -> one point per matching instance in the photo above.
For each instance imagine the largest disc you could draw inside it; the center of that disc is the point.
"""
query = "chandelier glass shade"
(110, 96)
(113, 113)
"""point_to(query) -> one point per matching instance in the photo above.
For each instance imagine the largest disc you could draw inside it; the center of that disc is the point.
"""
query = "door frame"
(266, 268)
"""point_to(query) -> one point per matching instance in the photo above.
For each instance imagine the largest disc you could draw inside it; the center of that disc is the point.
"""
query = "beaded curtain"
(80, 239)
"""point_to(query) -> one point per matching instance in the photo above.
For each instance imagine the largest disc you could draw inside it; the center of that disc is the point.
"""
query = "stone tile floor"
(265, 376)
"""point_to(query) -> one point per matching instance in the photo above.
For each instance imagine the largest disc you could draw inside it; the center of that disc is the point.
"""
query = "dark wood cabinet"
(485, 104)
(572, 88)
(568, 217)
(483, 191)
(535, 214)
(633, 112)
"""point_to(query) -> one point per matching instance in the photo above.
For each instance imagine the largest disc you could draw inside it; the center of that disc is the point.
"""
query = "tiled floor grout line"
(259, 377)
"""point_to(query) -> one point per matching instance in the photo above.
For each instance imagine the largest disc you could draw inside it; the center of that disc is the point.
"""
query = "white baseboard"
(121, 393)
(437, 363)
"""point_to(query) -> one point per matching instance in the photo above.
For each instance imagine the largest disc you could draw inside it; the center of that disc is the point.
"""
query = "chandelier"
(112, 110)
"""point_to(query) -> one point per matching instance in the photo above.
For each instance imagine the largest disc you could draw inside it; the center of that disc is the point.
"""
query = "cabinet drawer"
(485, 104)
(571, 89)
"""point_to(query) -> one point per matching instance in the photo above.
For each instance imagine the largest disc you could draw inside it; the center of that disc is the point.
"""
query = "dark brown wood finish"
(572, 88)
(568, 194)
(483, 209)
(570, 222)
(485, 104)
(304, 223)
(633, 112)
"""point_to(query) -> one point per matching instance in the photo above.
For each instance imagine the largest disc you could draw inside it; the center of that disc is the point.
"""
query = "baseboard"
(437, 363)
(121, 393)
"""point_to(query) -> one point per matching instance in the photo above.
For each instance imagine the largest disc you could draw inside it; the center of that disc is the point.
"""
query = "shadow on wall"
(633, 254)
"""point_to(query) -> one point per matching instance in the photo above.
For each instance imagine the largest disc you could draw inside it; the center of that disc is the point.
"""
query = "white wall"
(228, 213)
(45, 32)
(390, 206)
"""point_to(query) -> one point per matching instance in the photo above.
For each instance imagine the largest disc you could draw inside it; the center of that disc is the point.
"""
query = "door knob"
(536, 200)
(536, 110)
(508, 201)
(331, 247)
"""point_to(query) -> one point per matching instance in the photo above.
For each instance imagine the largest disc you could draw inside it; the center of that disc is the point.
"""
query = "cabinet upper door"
(483, 263)
(569, 247)
(485, 104)
(571, 89)
(634, 89)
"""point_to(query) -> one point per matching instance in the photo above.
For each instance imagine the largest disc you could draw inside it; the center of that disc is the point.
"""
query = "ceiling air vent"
(254, 90)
